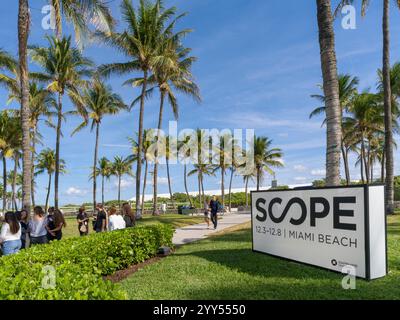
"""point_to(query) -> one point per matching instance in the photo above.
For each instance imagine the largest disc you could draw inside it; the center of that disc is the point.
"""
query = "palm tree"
(145, 31)
(265, 158)
(13, 178)
(185, 154)
(347, 90)
(202, 170)
(79, 13)
(387, 95)
(366, 119)
(146, 158)
(120, 167)
(331, 91)
(104, 169)
(172, 74)
(95, 102)
(168, 154)
(224, 151)
(247, 178)
(63, 70)
(23, 34)
(46, 163)
(41, 103)
(10, 142)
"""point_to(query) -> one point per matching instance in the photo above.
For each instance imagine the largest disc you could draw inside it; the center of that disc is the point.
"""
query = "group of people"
(19, 230)
(106, 220)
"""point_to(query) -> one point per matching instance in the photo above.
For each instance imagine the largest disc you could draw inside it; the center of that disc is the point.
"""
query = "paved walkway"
(199, 231)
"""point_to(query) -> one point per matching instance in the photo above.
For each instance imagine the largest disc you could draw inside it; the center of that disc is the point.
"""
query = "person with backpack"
(128, 216)
(83, 222)
(214, 207)
(10, 236)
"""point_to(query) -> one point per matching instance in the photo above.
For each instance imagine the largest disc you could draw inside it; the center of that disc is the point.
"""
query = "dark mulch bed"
(123, 274)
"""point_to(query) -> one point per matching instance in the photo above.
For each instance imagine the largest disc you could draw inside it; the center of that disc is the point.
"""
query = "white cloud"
(318, 172)
(161, 180)
(299, 168)
(73, 191)
(304, 145)
(125, 183)
(300, 179)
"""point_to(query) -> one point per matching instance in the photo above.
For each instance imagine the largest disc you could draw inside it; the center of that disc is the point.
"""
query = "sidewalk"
(199, 231)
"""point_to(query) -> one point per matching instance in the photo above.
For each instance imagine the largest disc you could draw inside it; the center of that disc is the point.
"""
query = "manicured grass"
(175, 220)
(224, 267)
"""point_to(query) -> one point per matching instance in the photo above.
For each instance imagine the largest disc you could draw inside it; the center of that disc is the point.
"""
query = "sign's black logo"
(314, 213)
(334, 262)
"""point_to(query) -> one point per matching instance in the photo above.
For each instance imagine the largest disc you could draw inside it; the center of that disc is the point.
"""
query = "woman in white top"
(10, 236)
(115, 221)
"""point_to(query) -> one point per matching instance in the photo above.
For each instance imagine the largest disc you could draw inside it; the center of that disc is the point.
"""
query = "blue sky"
(258, 64)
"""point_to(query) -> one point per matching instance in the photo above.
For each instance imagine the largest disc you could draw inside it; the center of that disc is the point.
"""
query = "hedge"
(80, 264)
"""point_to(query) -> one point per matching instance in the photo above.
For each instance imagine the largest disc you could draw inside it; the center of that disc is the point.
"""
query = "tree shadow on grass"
(258, 264)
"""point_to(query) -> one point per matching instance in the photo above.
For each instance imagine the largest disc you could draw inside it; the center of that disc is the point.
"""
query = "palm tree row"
(363, 124)
(332, 97)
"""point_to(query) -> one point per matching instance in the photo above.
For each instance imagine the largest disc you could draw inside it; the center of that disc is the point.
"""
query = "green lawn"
(176, 220)
(224, 267)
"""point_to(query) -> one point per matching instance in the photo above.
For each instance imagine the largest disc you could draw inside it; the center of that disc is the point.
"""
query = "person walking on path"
(214, 207)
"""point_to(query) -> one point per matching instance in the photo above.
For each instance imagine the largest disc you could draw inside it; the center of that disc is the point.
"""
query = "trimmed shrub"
(79, 264)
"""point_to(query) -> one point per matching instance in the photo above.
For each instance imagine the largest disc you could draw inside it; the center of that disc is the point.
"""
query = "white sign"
(326, 227)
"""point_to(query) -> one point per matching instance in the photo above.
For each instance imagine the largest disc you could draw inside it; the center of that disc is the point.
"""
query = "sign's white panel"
(325, 227)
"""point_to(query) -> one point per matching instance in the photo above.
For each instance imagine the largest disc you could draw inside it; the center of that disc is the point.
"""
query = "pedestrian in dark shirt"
(101, 219)
(23, 220)
(213, 207)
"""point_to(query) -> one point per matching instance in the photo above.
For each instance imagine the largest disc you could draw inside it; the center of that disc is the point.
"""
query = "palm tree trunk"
(388, 111)
(362, 168)
(140, 141)
(58, 136)
(346, 164)
(364, 160)
(383, 168)
(48, 194)
(57, 11)
(185, 183)
(155, 174)
(119, 191)
(23, 34)
(199, 186)
(246, 190)
(258, 178)
(331, 92)
(230, 190)
(34, 132)
(96, 148)
(144, 183)
(223, 186)
(14, 182)
(169, 184)
(203, 193)
(102, 190)
(4, 184)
